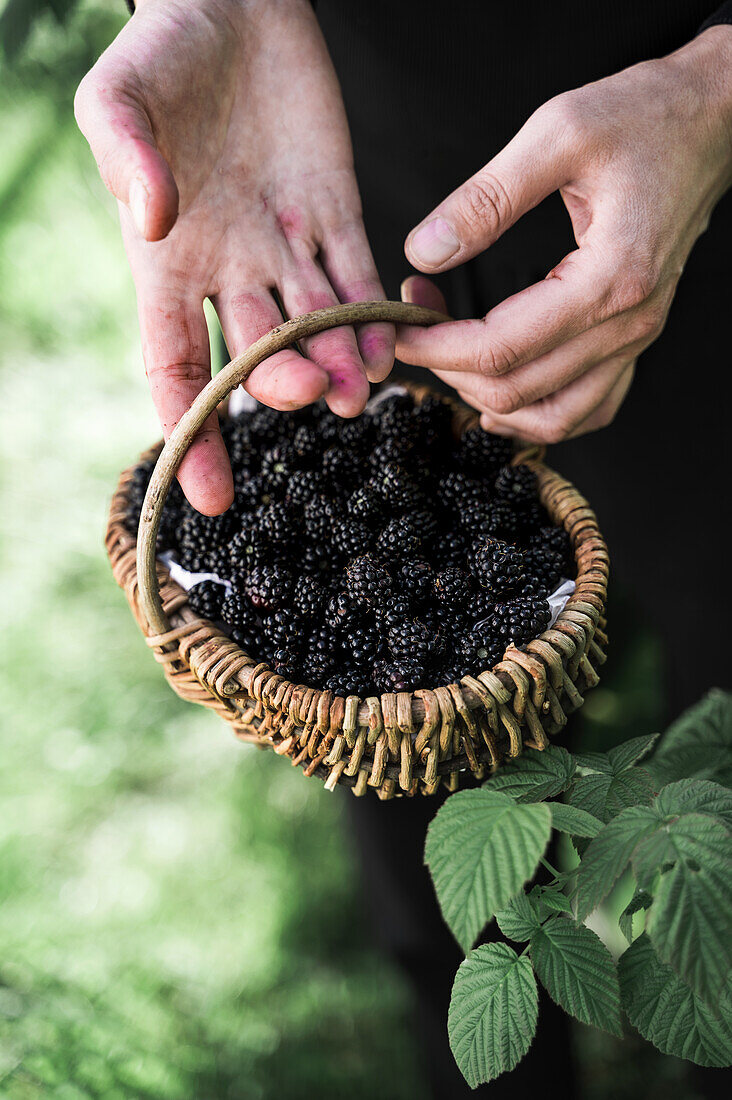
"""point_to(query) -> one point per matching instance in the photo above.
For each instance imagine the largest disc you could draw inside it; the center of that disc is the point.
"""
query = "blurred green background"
(179, 915)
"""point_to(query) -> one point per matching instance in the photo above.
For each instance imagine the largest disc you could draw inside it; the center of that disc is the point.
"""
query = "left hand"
(640, 160)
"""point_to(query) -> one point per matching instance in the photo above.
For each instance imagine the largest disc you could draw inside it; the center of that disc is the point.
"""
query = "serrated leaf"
(519, 919)
(699, 744)
(493, 1009)
(667, 1013)
(551, 900)
(481, 848)
(572, 820)
(695, 796)
(608, 855)
(640, 900)
(593, 761)
(630, 752)
(604, 795)
(535, 775)
(691, 914)
(578, 972)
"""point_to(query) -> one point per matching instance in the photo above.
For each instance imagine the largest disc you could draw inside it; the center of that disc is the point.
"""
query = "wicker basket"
(396, 744)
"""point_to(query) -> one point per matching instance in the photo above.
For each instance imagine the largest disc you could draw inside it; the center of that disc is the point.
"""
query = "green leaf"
(535, 775)
(640, 900)
(578, 972)
(605, 795)
(550, 899)
(493, 1011)
(691, 914)
(667, 1013)
(618, 759)
(699, 744)
(519, 919)
(481, 848)
(572, 820)
(695, 796)
(608, 855)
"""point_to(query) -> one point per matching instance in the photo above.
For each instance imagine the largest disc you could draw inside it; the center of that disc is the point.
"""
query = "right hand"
(220, 128)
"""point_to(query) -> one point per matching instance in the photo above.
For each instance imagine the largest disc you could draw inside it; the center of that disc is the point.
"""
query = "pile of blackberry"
(370, 555)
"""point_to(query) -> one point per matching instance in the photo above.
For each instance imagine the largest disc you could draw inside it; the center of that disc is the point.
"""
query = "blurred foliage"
(179, 915)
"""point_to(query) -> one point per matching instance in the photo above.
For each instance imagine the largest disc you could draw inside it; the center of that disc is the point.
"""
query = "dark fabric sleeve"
(723, 14)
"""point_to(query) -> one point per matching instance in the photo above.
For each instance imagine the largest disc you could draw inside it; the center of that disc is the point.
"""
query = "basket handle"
(236, 372)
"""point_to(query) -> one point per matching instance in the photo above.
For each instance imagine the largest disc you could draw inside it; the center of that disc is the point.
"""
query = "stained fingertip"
(376, 344)
(205, 475)
(348, 393)
(291, 384)
(419, 291)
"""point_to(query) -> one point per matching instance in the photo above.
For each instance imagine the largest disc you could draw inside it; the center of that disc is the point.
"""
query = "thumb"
(120, 136)
(535, 163)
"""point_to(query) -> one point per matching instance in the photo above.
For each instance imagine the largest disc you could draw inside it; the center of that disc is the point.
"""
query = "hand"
(220, 128)
(640, 159)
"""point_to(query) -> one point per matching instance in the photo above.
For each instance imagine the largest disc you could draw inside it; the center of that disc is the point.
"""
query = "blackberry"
(349, 680)
(453, 671)
(206, 599)
(393, 415)
(364, 643)
(199, 538)
(424, 523)
(516, 483)
(268, 586)
(499, 566)
(278, 464)
(396, 487)
(366, 580)
(433, 416)
(238, 441)
(315, 561)
(283, 630)
(521, 619)
(268, 426)
(285, 662)
(322, 652)
(555, 538)
(277, 522)
(251, 639)
(251, 491)
(412, 638)
(406, 674)
(319, 514)
(452, 588)
(246, 550)
(340, 467)
(236, 610)
(398, 541)
(389, 613)
(480, 648)
(309, 597)
(356, 435)
(364, 504)
(482, 453)
(480, 606)
(303, 486)
(457, 491)
(416, 578)
(351, 538)
(389, 450)
(306, 442)
(451, 549)
(543, 568)
(329, 426)
(342, 612)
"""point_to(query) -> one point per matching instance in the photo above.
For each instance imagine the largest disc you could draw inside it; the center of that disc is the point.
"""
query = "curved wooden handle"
(236, 372)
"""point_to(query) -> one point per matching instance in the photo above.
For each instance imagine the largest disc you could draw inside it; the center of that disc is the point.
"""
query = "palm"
(246, 114)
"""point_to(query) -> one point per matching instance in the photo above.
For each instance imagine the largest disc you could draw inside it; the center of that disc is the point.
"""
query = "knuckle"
(565, 116)
(649, 323)
(486, 201)
(178, 371)
(503, 396)
(496, 359)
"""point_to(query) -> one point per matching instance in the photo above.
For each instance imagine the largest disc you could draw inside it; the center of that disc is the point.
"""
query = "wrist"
(704, 66)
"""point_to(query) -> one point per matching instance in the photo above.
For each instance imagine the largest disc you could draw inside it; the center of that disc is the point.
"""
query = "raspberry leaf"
(578, 972)
(667, 1013)
(481, 848)
(641, 900)
(604, 794)
(520, 919)
(493, 1012)
(572, 820)
(699, 744)
(608, 855)
(535, 775)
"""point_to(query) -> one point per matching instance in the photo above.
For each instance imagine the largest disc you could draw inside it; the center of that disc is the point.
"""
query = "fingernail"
(137, 202)
(434, 243)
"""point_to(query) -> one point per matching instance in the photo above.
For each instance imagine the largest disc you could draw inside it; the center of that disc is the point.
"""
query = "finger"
(286, 380)
(305, 288)
(556, 418)
(551, 372)
(606, 411)
(347, 261)
(175, 345)
(121, 138)
(536, 162)
(589, 286)
(422, 292)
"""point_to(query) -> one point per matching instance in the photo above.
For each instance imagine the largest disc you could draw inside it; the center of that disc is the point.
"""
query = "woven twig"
(396, 744)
